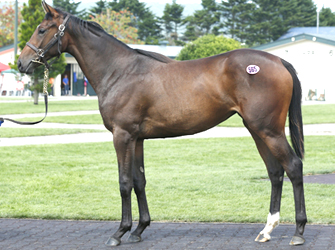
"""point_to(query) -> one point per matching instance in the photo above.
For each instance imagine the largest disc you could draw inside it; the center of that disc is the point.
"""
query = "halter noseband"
(55, 39)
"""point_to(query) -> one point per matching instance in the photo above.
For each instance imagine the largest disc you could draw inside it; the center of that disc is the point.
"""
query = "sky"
(326, 3)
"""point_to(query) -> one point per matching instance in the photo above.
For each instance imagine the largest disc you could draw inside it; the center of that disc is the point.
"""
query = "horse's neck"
(98, 56)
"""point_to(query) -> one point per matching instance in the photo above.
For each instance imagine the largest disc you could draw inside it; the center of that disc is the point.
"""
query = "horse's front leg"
(139, 187)
(124, 145)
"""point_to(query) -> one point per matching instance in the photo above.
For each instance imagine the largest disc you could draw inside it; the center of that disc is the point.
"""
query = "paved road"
(55, 234)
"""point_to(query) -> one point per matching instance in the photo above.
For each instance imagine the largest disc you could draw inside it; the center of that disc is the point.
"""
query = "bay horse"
(144, 95)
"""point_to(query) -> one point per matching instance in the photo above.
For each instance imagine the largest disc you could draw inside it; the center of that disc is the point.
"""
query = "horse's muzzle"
(28, 68)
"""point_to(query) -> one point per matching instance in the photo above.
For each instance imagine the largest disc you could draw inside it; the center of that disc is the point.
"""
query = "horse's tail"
(295, 117)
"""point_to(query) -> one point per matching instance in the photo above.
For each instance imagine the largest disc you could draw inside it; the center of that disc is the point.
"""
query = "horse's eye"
(42, 31)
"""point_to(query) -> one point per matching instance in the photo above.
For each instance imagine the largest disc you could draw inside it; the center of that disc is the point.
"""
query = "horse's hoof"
(297, 240)
(134, 238)
(113, 242)
(263, 239)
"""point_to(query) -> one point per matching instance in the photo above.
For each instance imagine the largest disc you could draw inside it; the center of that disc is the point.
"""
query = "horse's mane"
(154, 55)
(96, 29)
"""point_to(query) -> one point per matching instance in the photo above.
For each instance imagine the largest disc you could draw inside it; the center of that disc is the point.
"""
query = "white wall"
(315, 64)
(7, 56)
(57, 86)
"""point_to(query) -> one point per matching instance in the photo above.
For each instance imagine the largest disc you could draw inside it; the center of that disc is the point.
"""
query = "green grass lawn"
(315, 114)
(17, 98)
(311, 114)
(25, 132)
(53, 106)
(73, 119)
(187, 180)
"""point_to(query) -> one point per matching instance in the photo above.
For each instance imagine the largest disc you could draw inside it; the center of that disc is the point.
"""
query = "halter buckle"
(61, 28)
(40, 52)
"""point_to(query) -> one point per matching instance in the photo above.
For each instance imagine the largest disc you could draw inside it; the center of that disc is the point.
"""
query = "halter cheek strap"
(55, 39)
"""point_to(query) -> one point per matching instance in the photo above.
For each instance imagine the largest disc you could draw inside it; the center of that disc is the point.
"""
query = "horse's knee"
(125, 188)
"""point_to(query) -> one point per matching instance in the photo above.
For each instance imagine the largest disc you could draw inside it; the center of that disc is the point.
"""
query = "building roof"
(8, 47)
(169, 51)
(324, 32)
(325, 35)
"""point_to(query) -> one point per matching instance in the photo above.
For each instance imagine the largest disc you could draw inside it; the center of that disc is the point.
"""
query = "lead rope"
(46, 81)
(45, 92)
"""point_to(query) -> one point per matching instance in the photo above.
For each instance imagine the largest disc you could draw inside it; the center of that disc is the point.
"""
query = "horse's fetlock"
(145, 221)
(126, 227)
(301, 219)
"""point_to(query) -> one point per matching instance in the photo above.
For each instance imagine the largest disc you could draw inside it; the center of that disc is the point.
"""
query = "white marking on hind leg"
(272, 222)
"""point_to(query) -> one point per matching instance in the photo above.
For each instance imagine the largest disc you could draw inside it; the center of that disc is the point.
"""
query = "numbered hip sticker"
(253, 69)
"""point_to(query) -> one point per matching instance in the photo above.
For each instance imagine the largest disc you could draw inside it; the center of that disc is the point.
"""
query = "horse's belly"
(184, 123)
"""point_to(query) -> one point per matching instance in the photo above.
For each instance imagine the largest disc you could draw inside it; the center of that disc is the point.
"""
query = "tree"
(207, 45)
(172, 18)
(205, 21)
(70, 7)
(33, 15)
(237, 16)
(7, 20)
(118, 24)
(272, 18)
(267, 23)
(146, 22)
(209, 17)
(306, 14)
(193, 31)
(100, 7)
(327, 18)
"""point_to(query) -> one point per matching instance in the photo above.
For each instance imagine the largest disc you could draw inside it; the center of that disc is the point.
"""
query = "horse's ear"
(48, 9)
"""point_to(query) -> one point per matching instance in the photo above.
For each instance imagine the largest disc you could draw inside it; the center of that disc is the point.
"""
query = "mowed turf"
(218, 179)
(312, 114)
(24, 107)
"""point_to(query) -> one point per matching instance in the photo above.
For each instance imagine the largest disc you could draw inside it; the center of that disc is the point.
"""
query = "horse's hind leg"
(293, 168)
(276, 173)
(283, 153)
(139, 187)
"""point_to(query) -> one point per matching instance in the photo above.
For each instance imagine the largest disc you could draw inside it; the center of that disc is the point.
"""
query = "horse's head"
(48, 40)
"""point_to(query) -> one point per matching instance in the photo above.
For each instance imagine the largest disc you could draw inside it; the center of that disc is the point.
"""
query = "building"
(311, 51)
(7, 54)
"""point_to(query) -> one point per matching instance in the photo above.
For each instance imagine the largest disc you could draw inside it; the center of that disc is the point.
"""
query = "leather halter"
(55, 39)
